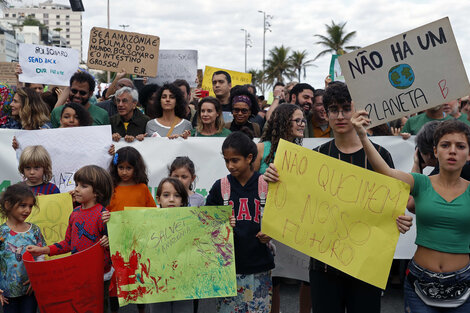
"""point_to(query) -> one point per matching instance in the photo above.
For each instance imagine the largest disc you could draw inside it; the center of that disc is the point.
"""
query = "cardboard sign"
(338, 213)
(238, 78)
(69, 284)
(115, 50)
(7, 73)
(172, 254)
(176, 64)
(407, 73)
(47, 65)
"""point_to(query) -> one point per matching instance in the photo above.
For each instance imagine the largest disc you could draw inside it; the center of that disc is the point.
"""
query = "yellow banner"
(338, 213)
(238, 78)
(52, 217)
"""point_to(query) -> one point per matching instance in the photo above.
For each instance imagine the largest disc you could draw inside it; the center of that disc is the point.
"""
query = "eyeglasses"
(333, 111)
(464, 102)
(238, 110)
(299, 121)
(122, 100)
(81, 92)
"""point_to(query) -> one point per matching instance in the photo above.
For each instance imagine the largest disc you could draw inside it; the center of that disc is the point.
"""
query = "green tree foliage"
(278, 66)
(299, 62)
(335, 40)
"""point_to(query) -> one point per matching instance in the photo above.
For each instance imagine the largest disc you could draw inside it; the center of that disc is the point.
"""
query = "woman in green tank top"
(287, 122)
(438, 276)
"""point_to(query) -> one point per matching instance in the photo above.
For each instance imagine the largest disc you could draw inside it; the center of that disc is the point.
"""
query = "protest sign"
(115, 50)
(290, 262)
(70, 284)
(176, 64)
(7, 73)
(47, 65)
(335, 69)
(338, 213)
(210, 166)
(238, 78)
(70, 149)
(407, 73)
(172, 254)
(52, 216)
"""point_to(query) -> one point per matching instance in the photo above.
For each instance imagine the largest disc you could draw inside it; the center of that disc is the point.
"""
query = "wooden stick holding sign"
(405, 74)
(116, 50)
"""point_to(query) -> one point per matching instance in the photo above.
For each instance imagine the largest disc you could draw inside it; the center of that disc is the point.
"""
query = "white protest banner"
(70, 149)
(116, 50)
(407, 73)
(176, 64)
(47, 65)
(158, 153)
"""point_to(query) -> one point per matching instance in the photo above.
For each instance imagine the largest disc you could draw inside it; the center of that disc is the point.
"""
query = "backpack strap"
(262, 192)
(225, 189)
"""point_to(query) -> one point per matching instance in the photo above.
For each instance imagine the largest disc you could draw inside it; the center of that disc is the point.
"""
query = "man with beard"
(82, 86)
(452, 108)
(414, 123)
(317, 121)
(302, 95)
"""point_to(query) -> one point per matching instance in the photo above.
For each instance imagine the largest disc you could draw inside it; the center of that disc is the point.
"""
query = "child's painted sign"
(47, 65)
(407, 73)
(172, 254)
(70, 284)
(338, 213)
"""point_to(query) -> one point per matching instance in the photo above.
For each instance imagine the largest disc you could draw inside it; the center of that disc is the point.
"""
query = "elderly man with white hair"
(129, 123)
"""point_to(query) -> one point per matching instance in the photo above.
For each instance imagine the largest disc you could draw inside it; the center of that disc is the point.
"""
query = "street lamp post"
(247, 43)
(266, 25)
(123, 27)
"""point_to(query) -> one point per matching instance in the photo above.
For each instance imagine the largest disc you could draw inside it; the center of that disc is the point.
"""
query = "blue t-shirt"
(12, 247)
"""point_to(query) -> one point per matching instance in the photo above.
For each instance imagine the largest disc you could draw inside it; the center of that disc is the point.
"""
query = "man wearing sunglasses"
(82, 86)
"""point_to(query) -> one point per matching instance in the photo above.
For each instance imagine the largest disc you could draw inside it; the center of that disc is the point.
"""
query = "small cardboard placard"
(115, 50)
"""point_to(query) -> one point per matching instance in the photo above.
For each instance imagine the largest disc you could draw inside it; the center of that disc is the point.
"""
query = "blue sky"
(213, 27)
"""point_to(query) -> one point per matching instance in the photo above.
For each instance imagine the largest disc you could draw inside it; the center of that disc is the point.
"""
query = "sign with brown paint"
(115, 50)
(405, 74)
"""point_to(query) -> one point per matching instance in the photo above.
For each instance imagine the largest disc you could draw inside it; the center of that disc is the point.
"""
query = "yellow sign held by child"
(338, 213)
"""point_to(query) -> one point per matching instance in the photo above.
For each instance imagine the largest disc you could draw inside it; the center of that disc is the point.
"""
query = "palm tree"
(336, 39)
(257, 79)
(299, 62)
(278, 65)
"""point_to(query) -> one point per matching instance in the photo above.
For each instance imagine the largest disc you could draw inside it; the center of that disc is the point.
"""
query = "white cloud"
(213, 27)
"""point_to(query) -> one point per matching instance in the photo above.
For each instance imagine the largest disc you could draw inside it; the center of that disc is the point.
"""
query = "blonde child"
(93, 190)
(183, 169)
(129, 175)
(36, 167)
(16, 204)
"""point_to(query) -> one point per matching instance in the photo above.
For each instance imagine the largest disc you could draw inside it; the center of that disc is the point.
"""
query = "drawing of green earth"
(401, 76)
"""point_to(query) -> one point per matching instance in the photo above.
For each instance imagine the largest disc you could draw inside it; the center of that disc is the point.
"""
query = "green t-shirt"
(224, 133)
(441, 225)
(99, 116)
(414, 123)
(463, 118)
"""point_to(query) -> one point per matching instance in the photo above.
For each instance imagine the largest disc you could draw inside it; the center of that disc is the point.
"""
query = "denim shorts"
(413, 302)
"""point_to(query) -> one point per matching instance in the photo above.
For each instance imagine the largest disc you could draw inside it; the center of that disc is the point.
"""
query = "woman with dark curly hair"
(148, 98)
(287, 122)
(244, 105)
(170, 113)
